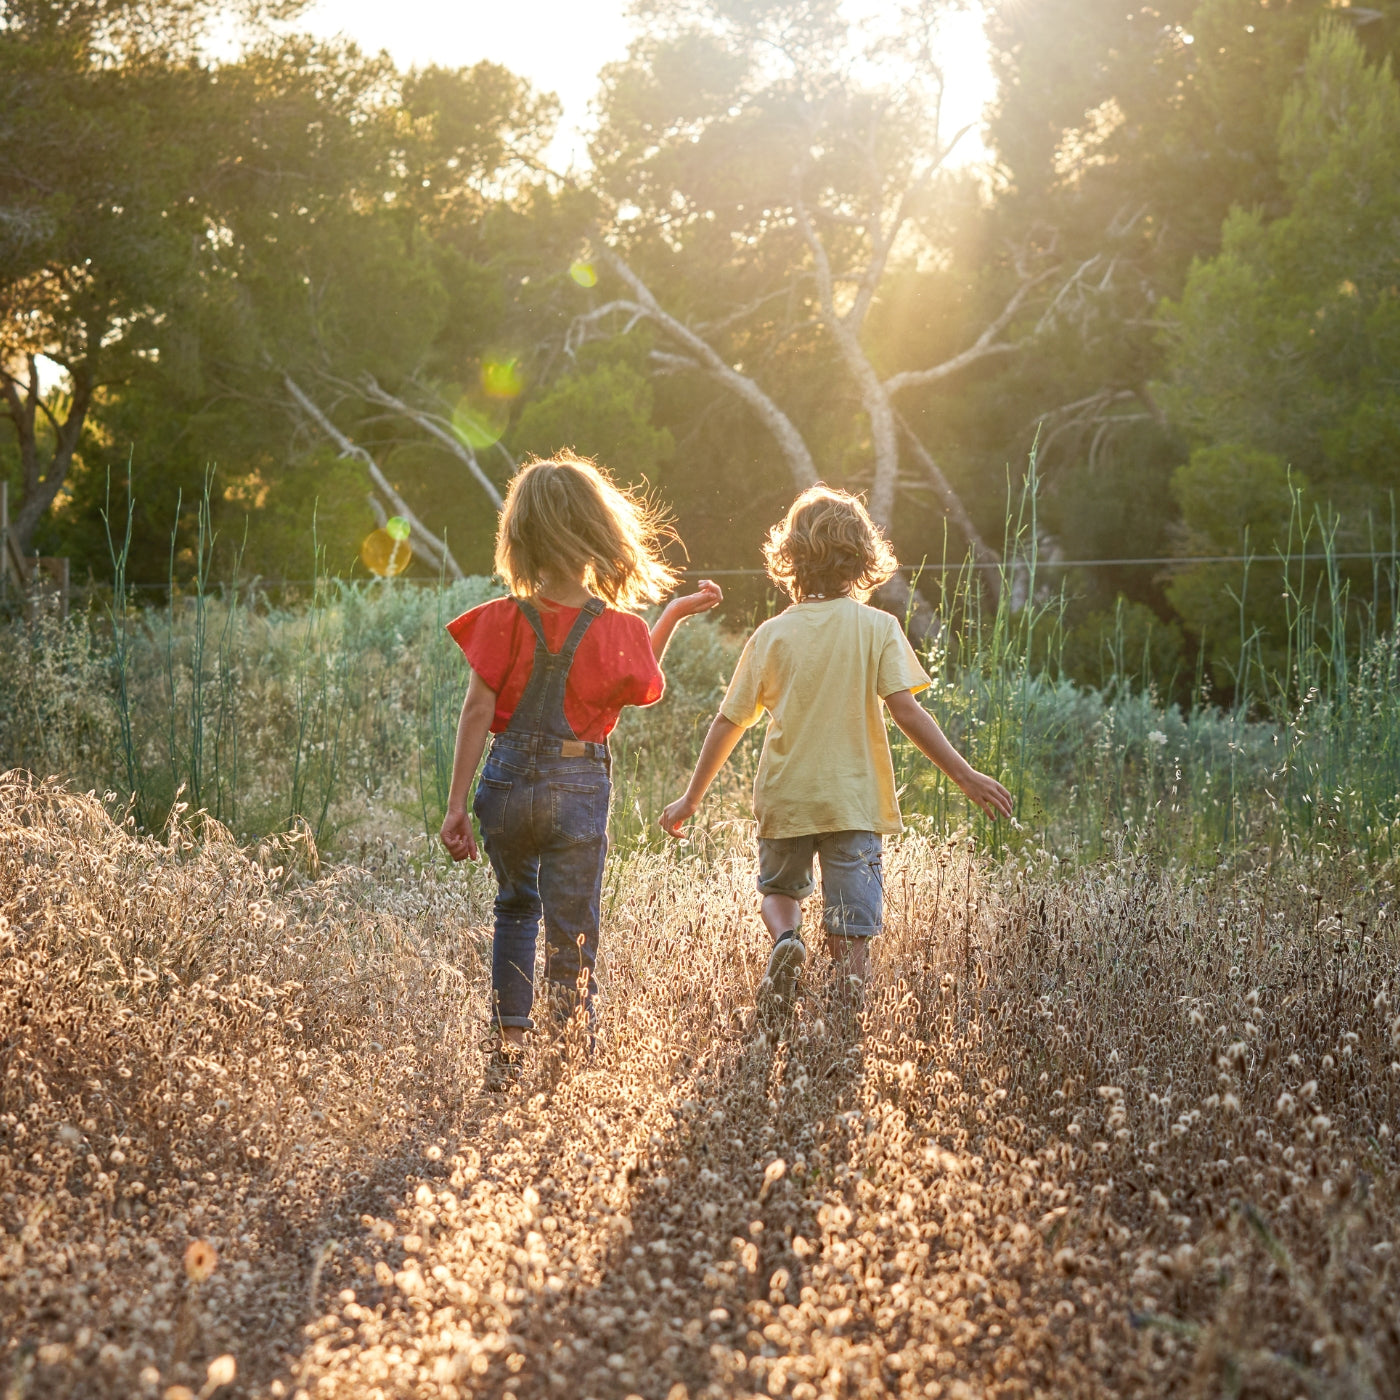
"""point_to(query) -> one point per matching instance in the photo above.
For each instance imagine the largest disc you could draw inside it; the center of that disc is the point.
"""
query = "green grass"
(335, 713)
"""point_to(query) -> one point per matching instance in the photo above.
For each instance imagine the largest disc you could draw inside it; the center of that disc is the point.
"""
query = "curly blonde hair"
(566, 515)
(828, 544)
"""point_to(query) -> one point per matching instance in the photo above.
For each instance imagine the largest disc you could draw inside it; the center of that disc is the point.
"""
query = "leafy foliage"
(1212, 184)
(1283, 345)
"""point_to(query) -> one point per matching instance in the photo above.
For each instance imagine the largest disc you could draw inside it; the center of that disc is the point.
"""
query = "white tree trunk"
(433, 550)
(790, 442)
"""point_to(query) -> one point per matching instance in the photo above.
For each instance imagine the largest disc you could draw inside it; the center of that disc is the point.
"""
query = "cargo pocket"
(579, 809)
(492, 794)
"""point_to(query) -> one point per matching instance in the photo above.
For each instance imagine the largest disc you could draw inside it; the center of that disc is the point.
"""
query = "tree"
(1288, 340)
(1132, 130)
(1285, 347)
(109, 143)
(772, 192)
(299, 228)
(373, 316)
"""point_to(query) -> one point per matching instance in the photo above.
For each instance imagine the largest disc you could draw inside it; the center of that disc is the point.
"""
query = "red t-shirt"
(613, 665)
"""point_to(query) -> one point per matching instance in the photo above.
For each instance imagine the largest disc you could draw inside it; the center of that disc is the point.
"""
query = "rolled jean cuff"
(515, 1023)
(787, 888)
(843, 929)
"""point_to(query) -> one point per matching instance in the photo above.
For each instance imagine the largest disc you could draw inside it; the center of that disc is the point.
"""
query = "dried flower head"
(221, 1372)
(200, 1261)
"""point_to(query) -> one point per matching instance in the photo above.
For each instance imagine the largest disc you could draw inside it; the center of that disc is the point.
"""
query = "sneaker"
(779, 985)
(504, 1064)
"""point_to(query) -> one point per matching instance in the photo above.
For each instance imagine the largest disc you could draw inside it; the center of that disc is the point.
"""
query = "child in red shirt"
(552, 667)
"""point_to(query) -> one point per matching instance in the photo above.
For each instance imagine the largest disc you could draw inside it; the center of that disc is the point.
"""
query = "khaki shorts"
(853, 886)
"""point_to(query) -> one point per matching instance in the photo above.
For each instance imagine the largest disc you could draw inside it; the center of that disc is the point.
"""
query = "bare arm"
(719, 744)
(710, 595)
(926, 735)
(474, 724)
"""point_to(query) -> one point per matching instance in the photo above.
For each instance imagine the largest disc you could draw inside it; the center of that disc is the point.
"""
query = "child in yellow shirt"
(824, 670)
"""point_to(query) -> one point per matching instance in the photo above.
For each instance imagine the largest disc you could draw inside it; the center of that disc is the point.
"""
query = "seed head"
(222, 1370)
(200, 1261)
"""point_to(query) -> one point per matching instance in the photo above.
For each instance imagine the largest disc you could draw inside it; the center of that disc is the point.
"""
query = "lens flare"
(501, 379)
(584, 274)
(385, 552)
(482, 414)
(479, 420)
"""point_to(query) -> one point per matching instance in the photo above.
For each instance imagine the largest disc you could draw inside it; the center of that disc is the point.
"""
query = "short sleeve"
(900, 668)
(640, 681)
(741, 704)
(486, 636)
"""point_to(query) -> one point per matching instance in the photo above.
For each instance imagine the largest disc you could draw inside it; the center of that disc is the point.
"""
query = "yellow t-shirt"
(821, 670)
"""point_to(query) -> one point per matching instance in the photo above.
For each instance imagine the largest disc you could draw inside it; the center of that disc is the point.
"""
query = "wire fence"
(1045, 561)
(1042, 561)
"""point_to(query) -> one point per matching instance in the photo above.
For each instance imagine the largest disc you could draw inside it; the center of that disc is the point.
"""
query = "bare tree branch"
(987, 344)
(438, 427)
(794, 449)
(874, 398)
(434, 551)
(580, 326)
(952, 502)
(669, 363)
(887, 235)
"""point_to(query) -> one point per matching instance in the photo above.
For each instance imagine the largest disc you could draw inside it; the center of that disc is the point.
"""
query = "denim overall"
(542, 805)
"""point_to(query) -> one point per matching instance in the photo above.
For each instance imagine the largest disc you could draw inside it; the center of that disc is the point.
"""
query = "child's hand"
(676, 815)
(709, 595)
(457, 835)
(987, 793)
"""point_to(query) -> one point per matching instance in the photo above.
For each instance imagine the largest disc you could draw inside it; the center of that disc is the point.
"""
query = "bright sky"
(560, 46)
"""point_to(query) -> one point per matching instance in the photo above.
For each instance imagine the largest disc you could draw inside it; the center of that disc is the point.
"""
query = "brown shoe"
(504, 1065)
(779, 985)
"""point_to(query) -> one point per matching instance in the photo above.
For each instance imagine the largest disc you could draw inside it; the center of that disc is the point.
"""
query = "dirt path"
(835, 1216)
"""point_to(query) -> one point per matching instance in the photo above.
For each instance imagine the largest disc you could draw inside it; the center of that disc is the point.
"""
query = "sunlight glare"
(558, 54)
(479, 420)
(482, 414)
(386, 553)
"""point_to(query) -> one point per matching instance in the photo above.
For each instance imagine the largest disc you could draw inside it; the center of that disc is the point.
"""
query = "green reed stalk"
(203, 558)
(119, 615)
(226, 732)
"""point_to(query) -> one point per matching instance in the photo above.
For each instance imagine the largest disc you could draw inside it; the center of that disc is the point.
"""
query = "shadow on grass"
(718, 1221)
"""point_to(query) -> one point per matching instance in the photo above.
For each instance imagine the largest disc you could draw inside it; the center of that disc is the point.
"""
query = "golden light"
(482, 414)
(387, 553)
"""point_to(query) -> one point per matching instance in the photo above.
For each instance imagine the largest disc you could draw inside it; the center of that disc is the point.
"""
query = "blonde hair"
(565, 515)
(828, 544)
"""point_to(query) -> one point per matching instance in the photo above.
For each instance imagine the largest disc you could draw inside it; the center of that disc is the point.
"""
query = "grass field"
(1097, 1129)
(1116, 1115)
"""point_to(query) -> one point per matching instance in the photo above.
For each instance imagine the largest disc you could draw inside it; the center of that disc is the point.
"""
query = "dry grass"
(1112, 1132)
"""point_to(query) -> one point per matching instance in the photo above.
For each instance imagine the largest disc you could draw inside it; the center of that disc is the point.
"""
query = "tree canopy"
(353, 292)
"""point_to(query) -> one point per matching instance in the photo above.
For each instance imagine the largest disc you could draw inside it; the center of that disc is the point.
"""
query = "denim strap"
(540, 713)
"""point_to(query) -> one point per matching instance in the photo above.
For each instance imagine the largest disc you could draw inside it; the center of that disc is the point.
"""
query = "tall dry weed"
(1103, 1132)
